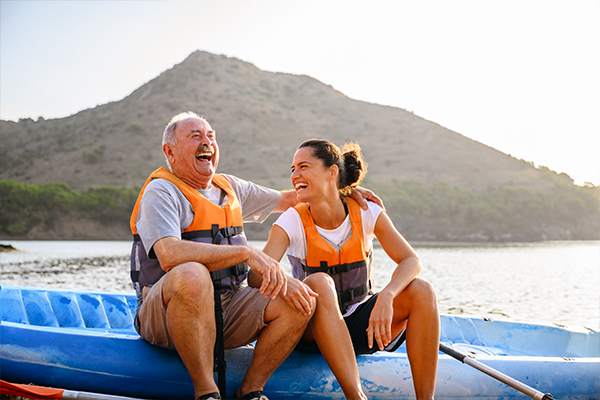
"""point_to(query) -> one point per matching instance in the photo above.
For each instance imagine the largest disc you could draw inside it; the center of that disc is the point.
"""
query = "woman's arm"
(409, 267)
(398, 249)
(277, 243)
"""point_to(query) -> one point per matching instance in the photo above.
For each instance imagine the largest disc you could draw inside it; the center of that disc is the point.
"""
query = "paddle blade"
(29, 391)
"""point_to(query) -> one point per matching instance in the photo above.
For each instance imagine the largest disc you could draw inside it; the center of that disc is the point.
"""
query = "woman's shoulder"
(288, 217)
(372, 209)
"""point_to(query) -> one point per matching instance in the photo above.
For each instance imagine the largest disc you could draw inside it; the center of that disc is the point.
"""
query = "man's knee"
(189, 279)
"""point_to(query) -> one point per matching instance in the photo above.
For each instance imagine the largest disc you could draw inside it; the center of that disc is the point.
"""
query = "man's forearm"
(172, 251)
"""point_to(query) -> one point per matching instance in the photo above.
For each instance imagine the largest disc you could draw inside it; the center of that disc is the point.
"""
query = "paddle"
(46, 393)
(521, 387)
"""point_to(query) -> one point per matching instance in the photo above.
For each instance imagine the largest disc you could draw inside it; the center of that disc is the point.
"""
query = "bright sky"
(521, 76)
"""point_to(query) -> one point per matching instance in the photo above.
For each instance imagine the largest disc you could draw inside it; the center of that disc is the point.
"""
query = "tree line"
(508, 213)
(24, 207)
(420, 212)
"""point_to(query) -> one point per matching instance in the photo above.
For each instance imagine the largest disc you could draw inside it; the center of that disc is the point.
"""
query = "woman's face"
(310, 178)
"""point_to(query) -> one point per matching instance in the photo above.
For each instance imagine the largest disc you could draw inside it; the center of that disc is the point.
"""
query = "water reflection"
(551, 282)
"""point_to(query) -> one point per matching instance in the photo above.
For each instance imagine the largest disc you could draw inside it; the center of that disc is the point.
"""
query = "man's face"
(195, 157)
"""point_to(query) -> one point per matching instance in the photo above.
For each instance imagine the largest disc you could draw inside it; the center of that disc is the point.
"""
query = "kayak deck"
(84, 340)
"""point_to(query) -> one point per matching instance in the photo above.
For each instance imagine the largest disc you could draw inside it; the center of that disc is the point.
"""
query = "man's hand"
(274, 281)
(361, 195)
(298, 296)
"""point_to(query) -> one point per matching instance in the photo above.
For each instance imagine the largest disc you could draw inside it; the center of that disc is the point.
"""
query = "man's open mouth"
(205, 153)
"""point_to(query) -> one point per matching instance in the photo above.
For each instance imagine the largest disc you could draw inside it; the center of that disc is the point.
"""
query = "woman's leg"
(331, 334)
(418, 304)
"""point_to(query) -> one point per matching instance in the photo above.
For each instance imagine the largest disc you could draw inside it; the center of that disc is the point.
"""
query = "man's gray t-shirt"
(165, 211)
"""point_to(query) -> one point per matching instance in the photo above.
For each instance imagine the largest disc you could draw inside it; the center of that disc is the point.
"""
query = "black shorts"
(358, 323)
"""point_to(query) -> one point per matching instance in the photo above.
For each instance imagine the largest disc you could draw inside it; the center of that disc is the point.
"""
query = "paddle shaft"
(46, 393)
(515, 384)
(73, 395)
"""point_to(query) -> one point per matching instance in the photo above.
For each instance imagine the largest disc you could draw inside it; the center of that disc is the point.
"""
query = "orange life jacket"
(211, 224)
(350, 268)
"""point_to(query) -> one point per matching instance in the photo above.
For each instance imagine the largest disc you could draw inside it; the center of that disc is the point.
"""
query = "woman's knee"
(320, 282)
(422, 291)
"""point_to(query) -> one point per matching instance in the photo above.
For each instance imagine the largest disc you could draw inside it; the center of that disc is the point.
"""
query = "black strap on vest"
(215, 233)
(334, 269)
(219, 351)
(351, 294)
(216, 276)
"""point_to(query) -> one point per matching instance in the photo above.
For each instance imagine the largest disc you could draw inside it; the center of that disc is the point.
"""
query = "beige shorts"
(243, 316)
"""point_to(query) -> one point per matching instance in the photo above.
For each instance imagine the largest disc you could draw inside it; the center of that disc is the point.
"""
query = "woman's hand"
(380, 321)
(298, 296)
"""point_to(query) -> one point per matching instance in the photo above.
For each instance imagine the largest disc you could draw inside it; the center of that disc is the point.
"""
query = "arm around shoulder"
(288, 199)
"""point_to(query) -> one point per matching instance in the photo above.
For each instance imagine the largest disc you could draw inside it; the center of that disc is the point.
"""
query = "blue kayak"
(82, 340)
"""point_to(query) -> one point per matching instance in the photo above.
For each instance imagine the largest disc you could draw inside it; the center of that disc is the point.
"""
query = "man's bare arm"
(172, 252)
(288, 199)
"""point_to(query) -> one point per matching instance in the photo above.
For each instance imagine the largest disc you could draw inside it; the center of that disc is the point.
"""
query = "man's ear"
(168, 151)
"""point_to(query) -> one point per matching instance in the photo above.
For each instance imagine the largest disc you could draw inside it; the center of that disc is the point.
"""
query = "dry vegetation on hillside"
(260, 118)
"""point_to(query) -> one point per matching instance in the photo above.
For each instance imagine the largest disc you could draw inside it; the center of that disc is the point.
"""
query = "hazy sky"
(520, 76)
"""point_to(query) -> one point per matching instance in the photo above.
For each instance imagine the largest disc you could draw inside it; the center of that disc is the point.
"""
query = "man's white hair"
(169, 133)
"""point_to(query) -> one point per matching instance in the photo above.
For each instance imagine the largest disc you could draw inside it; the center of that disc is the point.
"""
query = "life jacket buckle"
(216, 234)
(228, 231)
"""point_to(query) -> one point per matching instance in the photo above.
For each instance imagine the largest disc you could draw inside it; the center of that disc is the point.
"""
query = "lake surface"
(550, 282)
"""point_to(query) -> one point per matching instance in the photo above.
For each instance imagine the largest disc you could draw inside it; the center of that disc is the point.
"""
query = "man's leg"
(189, 299)
(275, 342)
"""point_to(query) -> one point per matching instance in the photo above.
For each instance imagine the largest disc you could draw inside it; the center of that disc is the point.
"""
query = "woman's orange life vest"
(350, 268)
(211, 224)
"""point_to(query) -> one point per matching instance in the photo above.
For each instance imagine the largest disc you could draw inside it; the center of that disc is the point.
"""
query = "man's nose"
(204, 140)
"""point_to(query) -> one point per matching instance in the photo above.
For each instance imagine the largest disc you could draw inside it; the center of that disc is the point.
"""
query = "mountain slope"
(260, 118)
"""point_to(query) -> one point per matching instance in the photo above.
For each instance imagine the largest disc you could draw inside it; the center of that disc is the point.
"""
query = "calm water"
(555, 282)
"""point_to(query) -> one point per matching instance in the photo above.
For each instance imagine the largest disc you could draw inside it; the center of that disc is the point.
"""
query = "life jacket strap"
(219, 349)
(350, 294)
(234, 270)
(334, 269)
(216, 234)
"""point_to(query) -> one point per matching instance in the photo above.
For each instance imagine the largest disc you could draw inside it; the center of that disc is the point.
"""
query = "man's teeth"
(301, 186)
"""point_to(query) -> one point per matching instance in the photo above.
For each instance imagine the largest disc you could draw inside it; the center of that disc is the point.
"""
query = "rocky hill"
(436, 183)
(260, 118)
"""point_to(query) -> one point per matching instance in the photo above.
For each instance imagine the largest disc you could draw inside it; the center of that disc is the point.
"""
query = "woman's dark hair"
(349, 160)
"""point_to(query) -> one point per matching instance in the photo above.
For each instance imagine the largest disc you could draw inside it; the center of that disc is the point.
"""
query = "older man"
(189, 241)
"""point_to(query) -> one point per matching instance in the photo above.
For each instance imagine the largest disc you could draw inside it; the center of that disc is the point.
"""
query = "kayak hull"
(85, 341)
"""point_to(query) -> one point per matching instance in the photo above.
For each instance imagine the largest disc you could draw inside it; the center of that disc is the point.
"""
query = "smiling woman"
(328, 239)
